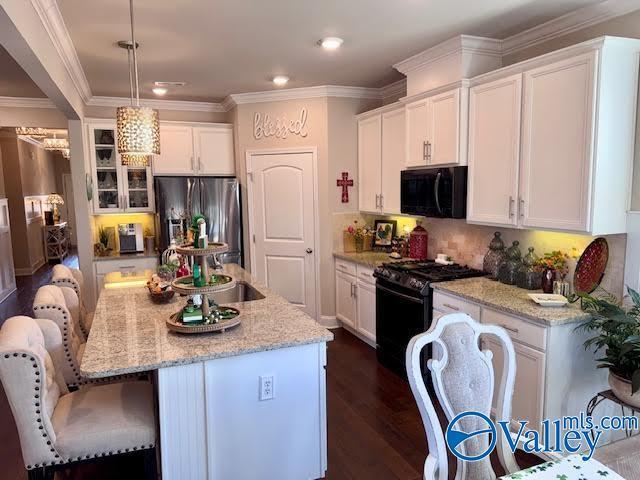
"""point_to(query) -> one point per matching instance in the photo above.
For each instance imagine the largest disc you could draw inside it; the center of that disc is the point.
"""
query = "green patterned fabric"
(569, 468)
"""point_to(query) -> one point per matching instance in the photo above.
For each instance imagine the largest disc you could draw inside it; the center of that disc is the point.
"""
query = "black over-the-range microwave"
(434, 192)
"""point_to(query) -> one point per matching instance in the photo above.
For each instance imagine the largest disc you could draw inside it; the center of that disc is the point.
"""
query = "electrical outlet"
(266, 387)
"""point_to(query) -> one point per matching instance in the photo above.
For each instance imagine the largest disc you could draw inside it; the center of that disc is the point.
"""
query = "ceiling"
(14, 82)
(230, 46)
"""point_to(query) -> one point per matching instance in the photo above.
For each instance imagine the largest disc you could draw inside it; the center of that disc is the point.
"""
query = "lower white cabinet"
(356, 299)
(126, 266)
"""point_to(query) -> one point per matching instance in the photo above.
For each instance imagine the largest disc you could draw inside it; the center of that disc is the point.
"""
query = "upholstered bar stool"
(58, 428)
(64, 276)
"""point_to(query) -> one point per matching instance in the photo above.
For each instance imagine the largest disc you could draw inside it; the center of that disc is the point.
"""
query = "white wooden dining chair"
(64, 276)
(463, 380)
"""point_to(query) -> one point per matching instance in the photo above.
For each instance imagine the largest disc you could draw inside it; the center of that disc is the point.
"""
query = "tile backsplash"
(467, 243)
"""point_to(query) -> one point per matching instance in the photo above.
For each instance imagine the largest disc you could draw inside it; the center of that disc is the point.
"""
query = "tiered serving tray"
(185, 286)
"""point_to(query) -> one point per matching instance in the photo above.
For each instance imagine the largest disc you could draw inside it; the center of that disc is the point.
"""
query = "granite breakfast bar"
(218, 418)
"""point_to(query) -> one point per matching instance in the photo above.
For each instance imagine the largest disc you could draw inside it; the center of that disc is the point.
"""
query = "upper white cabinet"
(436, 132)
(195, 150)
(494, 151)
(551, 140)
(381, 147)
(116, 188)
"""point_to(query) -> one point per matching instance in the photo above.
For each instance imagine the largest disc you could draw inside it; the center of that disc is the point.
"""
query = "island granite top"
(511, 300)
(129, 334)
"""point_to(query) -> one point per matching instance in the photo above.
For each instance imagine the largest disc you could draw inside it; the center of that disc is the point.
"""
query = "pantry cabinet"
(551, 140)
(381, 146)
(195, 150)
(436, 129)
(356, 299)
(116, 188)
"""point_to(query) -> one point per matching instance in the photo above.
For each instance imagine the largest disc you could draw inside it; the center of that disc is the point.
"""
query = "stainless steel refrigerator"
(217, 198)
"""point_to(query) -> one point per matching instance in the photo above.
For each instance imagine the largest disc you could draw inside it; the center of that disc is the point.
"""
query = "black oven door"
(400, 315)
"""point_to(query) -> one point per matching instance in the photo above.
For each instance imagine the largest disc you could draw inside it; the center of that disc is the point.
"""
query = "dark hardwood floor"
(374, 428)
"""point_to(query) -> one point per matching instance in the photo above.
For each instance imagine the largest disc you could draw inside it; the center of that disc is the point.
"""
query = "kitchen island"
(247, 403)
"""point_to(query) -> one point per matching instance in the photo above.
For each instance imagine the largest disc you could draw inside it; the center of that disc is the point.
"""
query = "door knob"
(309, 250)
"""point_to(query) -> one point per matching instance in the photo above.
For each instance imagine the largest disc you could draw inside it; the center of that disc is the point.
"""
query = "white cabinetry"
(436, 132)
(132, 266)
(7, 273)
(356, 299)
(195, 150)
(381, 147)
(117, 188)
(551, 140)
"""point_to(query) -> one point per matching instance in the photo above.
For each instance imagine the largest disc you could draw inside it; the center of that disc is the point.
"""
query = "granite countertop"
(125, 256)
(512, 300)
(368, 259)
(129, 332)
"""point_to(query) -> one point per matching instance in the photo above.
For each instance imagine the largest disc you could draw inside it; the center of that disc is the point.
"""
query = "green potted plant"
(102, 247)
(617, 336)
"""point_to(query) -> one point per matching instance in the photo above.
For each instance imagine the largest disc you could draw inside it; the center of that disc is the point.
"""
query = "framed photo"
(384, 231)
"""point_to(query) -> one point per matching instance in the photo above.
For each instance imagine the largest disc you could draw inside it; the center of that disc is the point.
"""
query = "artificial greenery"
(617, 330)
(103, 236)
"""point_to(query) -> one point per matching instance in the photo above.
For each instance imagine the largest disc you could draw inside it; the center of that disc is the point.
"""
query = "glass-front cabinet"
(116, 188)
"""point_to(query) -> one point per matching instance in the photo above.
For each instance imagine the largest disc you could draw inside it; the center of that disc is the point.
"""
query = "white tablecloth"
(569, 468)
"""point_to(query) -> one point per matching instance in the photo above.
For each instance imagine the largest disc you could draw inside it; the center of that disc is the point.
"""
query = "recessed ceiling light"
(159, 91)
(331, 43)
(280, 80)
(169, 84)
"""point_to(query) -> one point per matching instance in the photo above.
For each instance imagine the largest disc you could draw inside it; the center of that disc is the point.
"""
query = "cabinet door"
(393, 154)
(345, 299)
(418, 132)
(366, 301)
(443, 147)
(369, 162)
(176, 151)
(214, 150)
(138, 189)
(494, 151)
(106, 169)
(528, 393)
(557, 142)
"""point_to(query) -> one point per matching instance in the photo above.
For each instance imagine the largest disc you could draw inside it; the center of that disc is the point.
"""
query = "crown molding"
(453, 46)
(177, 105)
(24, 102)
(322, 91)
(394, 89)
(568, 23)
(55, 27)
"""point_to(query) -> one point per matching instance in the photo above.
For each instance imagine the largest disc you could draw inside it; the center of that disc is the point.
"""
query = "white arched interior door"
(281, 196)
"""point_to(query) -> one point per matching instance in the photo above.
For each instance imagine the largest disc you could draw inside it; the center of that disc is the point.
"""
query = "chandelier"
(55, 143)
(35, 132)
(138, 129)
(66, 153)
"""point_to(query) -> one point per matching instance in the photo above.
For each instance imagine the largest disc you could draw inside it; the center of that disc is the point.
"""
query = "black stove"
(404, 300)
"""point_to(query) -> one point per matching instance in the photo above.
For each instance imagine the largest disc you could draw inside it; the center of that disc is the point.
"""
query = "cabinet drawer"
(365, 274)
(125, 265)
(346, 267)
(519, 330)
(449, 304)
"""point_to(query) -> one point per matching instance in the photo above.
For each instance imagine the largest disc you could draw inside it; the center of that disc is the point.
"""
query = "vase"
(509, 268)
(359, 244)
(548, 277)
(494, 257)
(621, 388)
(528, 276)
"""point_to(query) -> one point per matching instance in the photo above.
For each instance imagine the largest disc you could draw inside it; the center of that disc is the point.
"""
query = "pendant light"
(138, 129)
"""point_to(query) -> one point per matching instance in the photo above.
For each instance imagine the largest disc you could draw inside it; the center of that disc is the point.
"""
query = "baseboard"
(329, 321)
(355, 333)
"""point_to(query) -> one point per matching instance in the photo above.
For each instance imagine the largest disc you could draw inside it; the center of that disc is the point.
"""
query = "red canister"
(418, 239)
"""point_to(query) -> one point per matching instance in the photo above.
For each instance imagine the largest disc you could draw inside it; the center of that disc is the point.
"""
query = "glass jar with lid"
(508, 270)
(529, 275)
(494, 257)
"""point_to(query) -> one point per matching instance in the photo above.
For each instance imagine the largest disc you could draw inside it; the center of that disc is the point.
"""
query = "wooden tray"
(185, 286)
(175, 325)
(212, 249)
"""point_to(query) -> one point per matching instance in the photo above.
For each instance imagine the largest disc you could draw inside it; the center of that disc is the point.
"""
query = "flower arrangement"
(555, 260)
(357, 234)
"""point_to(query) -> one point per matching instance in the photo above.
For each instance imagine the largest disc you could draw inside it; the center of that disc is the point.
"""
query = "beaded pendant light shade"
(55, 143)
(138, 128)
(35, 132)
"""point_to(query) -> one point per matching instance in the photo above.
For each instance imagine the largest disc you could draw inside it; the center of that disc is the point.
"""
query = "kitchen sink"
(242, 292)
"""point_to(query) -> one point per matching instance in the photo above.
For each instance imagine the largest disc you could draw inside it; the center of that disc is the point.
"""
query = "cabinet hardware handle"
(377, 201)
(511, 202)
(355, 291)
(511, 329)
(428, 151)
(381, 201)
(127, 267)
(452, 307)
(424, 151)
(521, 209)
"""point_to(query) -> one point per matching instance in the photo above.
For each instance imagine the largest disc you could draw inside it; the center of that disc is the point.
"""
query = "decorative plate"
(548, 299)
(591, 266)
(175, 324)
